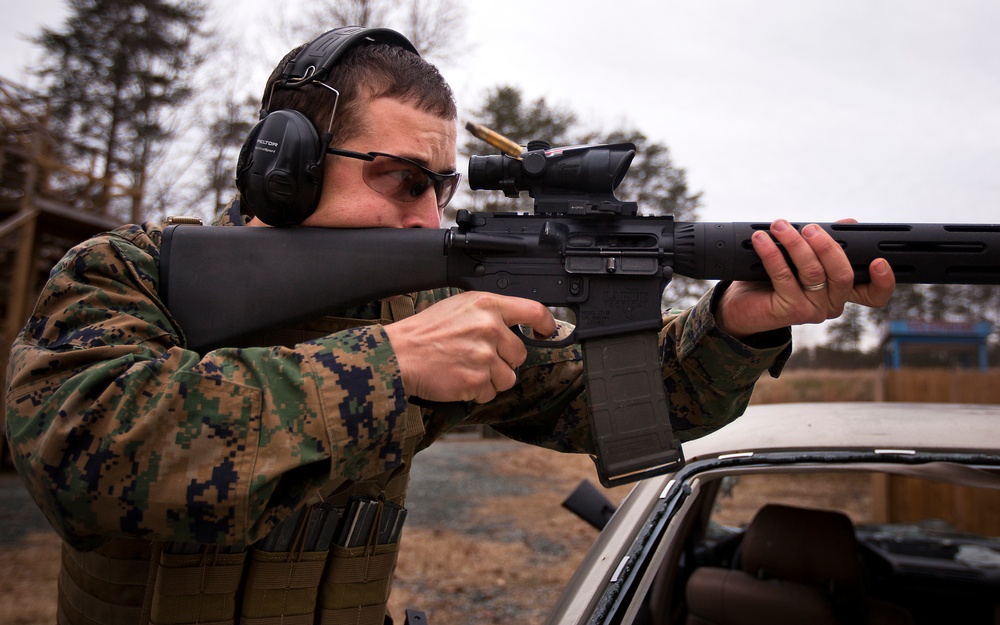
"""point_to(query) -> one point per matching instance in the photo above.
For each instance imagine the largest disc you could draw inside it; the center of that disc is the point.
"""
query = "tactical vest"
(300, 574)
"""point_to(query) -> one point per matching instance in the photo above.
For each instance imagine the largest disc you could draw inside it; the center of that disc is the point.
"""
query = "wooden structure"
(967, 342)
(900, 499)
(39, 222)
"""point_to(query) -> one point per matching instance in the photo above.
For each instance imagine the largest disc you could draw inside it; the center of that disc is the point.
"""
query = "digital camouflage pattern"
(120, 432)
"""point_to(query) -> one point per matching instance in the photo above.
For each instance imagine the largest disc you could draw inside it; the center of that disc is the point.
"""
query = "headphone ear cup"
(280, 169)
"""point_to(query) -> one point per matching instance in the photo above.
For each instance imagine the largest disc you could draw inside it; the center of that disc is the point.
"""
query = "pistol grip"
(629, 415)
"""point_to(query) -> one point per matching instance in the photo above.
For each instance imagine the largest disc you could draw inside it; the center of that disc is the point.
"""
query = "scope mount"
(585, 206)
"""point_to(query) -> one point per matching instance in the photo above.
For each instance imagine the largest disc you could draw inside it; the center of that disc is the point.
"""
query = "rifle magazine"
(629, 415)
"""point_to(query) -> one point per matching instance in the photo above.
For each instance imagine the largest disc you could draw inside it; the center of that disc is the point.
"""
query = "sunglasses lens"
(445, 189)
(404, 181)
(392, 177)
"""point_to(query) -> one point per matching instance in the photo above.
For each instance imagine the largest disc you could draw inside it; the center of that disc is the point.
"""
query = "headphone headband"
(316, 60)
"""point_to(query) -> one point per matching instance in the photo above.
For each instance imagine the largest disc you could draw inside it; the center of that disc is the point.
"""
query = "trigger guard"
(527, 340)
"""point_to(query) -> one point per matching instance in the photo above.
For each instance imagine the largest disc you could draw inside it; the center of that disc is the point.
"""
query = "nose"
(424, 212)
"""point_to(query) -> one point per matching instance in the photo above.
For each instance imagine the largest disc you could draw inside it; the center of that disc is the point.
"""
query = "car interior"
(799, 560)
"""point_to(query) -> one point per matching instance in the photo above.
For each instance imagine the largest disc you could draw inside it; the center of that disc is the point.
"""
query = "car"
(809, 513)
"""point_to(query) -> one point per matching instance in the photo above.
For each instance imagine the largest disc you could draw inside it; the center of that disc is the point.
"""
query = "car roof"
(855, 426)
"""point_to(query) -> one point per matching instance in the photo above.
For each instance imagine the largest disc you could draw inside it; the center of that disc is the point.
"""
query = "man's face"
(397, 128)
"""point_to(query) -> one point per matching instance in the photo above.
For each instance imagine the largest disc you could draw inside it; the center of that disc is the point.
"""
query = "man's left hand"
(823, 285)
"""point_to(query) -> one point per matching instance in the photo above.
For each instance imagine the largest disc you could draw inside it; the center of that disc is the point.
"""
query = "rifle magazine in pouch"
(355, 588)
(285, 568)
(281, 587)
(197, 587)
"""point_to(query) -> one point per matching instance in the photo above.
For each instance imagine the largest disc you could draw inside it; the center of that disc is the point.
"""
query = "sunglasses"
(400, 178)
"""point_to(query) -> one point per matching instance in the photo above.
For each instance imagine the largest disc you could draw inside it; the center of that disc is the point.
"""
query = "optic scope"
(555, 175)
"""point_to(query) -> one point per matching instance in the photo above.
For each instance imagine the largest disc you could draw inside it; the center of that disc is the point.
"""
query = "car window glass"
(867, 498)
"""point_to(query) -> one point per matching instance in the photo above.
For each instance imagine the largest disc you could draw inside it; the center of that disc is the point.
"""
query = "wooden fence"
(905, 500)
(948, 386)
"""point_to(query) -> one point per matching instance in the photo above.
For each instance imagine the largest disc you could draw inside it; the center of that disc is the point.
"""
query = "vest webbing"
(133, 581)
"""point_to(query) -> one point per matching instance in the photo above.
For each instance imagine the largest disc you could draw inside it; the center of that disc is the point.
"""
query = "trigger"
(529, 337)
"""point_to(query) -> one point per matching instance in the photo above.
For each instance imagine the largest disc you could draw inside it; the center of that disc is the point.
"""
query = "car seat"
(796, 565)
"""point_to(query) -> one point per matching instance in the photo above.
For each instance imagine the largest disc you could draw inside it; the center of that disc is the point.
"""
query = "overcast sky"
(807, 109)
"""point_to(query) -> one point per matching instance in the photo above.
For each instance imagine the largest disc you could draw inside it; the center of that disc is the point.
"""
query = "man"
(266, 484)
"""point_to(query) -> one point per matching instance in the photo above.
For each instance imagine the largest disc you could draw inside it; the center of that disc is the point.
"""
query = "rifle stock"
(223, 284)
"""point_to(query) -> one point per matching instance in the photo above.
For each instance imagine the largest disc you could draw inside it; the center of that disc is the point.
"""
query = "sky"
(813, 110)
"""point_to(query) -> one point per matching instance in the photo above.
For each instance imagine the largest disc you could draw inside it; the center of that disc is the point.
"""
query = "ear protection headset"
(280, 169)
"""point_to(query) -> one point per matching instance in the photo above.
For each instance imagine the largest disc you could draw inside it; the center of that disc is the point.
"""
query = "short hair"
(365, 73)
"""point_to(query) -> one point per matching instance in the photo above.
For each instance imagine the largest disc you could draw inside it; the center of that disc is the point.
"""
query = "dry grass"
(811, 385)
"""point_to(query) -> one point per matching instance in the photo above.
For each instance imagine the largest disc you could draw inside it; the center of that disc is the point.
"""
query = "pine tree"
(113, 74)
(845, 332)
(659, 187)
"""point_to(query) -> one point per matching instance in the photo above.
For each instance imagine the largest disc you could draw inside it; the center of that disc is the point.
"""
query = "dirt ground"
(507, 559)
(29, 558)
(487, 540)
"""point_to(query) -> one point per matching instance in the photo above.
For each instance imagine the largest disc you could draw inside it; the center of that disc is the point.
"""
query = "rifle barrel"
(918, 253)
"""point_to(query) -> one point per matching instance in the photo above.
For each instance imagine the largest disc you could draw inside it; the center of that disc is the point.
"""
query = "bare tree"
(366, 13)
(434, 27)
(226, 134)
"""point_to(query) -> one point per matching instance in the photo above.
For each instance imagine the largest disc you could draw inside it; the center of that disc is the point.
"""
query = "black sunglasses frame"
(441, 181)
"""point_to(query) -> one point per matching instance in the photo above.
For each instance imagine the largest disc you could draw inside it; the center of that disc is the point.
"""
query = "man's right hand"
(462, 348)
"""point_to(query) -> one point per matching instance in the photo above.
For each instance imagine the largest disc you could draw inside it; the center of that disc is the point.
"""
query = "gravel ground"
(458, 470)
(19, 516)
(452, 484)
(490, 541)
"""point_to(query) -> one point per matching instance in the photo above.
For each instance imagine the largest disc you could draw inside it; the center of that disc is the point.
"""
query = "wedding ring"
(814, 287)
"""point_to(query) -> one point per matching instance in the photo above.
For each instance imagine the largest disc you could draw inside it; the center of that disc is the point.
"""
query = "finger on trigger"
(522, 311)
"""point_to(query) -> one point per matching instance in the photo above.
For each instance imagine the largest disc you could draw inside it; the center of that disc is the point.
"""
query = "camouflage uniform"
(128, 441)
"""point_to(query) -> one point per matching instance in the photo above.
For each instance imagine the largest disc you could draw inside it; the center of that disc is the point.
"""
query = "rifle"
(582, 249)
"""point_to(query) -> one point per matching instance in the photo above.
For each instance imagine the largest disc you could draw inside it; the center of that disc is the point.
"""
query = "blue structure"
(966, 337)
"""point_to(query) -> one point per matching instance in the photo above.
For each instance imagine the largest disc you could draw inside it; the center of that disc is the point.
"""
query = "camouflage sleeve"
(708, 376)
(119, 431)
